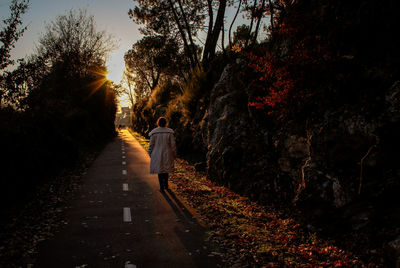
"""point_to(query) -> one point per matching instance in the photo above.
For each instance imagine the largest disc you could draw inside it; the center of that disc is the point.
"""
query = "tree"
(9, 35)
(213, 31)
(150, 58)
(259, 14)
(18, 83)
(69, 107)
(172, 19)
(73, 79)
(233, 21)
(73, 38)
(183, 19)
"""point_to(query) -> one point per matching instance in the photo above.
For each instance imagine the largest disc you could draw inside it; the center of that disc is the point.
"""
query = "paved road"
(122, 220)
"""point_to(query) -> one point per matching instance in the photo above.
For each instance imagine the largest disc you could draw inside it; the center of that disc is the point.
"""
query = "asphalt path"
(120, 219)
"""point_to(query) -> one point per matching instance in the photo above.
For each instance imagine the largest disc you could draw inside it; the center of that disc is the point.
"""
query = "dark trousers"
(163, 179)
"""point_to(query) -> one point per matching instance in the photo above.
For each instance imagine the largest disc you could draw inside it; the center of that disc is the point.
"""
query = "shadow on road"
(180, 209)
(192, 228)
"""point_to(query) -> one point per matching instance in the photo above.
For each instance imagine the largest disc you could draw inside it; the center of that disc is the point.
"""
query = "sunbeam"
(98, 83)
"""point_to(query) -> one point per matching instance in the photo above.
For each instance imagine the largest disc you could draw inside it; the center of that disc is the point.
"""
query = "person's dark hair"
(162, 122)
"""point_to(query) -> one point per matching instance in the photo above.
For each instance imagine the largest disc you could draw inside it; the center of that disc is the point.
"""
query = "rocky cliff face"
(342, 167)
(240, 153)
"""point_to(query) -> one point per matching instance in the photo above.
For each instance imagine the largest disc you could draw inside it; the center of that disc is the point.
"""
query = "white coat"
(162, 150)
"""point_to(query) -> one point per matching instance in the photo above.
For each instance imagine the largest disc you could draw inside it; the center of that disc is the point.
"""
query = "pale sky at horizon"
(111, 16)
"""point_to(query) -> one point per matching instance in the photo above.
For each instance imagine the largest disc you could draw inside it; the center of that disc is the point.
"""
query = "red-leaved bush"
(288, 68)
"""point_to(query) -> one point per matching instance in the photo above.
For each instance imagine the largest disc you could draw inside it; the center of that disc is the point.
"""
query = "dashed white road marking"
(127, 215)
(125, 187)
(123, 152)
(123, 156)
(130, 266)
(124, 172)
(123, 162)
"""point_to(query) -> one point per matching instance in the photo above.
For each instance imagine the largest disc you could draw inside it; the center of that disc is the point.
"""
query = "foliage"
(169, 50)
(192, 93)
(9, 35)
(147, 110)
(74, 38)
(150, 60)
(171, 19)
(241, 36)
(67, 106)
(10, 32)
(300, 65)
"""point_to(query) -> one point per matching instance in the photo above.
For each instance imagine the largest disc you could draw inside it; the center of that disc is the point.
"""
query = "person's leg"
(166, 181)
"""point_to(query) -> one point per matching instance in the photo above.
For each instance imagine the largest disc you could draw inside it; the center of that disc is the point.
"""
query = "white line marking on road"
(127, 215)
(123, 162)
(123, 156)
(124, 172)
(125, 187)
(123, 152)
(130, 266)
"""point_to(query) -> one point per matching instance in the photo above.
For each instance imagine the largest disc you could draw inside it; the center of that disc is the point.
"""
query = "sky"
(110, 15)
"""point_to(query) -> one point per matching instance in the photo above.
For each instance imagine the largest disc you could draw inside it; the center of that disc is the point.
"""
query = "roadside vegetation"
(56, 106)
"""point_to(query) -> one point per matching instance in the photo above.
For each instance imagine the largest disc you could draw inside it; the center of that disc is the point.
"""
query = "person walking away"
(162, 151)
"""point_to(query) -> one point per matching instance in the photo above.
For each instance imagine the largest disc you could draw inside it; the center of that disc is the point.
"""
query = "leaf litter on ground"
(40, 219)
(248, 234)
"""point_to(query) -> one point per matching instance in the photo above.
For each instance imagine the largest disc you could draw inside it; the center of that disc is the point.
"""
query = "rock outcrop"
(342, 167)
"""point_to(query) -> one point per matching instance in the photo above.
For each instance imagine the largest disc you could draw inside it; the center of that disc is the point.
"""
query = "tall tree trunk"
(251, 22)
(185, 42)
(215, 33)
(233, 21)
(209, 32)
(271, 11)
(189, 32)
(260, 16)
(223, 38)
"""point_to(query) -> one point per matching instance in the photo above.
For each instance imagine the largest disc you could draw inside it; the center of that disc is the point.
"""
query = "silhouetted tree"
(150, 58)
(67, 105)
(11, 31)
(9, 35)
(172, 19)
